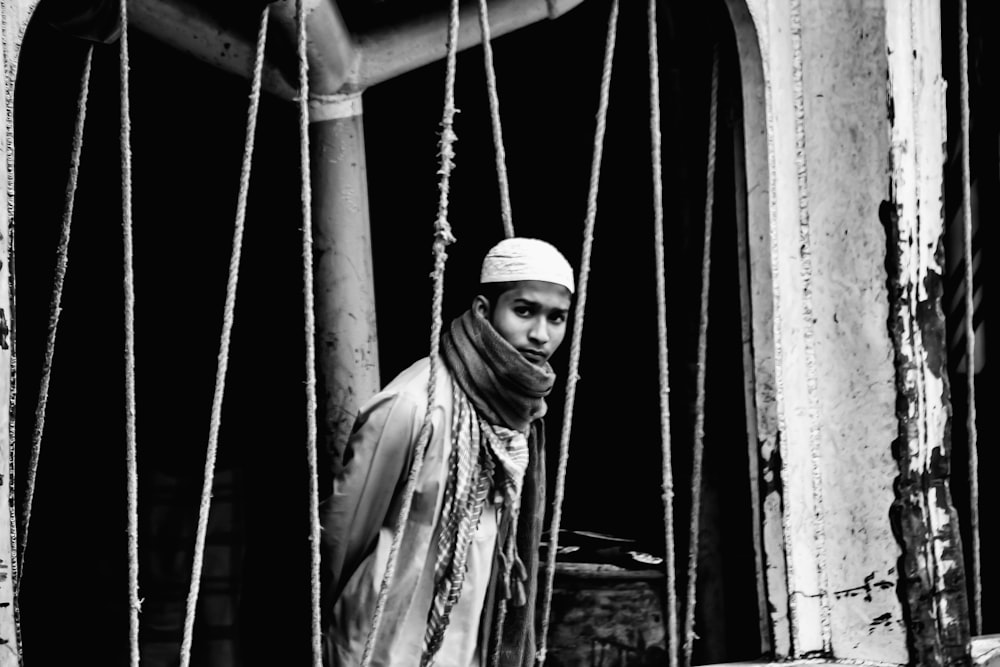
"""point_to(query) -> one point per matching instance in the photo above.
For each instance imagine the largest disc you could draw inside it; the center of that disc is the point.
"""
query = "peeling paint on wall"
(931, 568)
(931, 576)
(14, 17)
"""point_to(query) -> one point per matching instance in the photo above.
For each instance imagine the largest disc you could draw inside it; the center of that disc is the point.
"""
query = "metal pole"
(343, 278)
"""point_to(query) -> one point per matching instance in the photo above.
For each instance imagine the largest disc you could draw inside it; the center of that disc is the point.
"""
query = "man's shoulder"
(411, 384)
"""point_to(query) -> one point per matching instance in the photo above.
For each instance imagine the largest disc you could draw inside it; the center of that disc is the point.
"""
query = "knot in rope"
(443, 236)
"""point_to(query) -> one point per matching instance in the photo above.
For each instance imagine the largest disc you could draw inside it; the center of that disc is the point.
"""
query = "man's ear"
(481, 306)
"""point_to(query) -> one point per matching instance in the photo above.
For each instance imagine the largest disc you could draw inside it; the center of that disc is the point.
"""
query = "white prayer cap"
(526, 259)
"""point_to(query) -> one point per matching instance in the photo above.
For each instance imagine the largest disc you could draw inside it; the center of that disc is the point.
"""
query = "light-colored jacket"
(359, 522)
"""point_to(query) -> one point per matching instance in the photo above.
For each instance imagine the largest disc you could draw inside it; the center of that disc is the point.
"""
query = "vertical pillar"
(343, 279)
(932, 568)
(13, 20)
(825, 406)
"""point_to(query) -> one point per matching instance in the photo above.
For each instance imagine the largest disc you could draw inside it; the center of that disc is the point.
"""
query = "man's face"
(531, 316)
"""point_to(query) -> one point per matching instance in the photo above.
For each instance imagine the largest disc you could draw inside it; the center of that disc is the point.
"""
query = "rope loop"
(443, 237)
(55, 308)
(699, 429)
(222, 363)
(310, 334)
(131, 465)
(969, 324)
(494, 98)
(577, 340)
(662, 350)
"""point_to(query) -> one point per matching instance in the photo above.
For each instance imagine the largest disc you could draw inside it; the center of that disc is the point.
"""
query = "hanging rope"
(501, 154)
(699, 427)
(578, 316)
(223, 358)
(442, 239)
(310, 331)
(130, 451)
(661, 310)
(970, 331)
(55, 308)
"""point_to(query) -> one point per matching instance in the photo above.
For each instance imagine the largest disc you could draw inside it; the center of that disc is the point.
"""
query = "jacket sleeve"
(376, 460)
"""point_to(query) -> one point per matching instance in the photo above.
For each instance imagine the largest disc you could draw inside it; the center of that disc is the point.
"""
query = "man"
(467, 566)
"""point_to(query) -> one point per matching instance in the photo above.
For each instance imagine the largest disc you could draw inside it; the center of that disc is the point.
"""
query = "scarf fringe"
(499, 400)
(483, 457)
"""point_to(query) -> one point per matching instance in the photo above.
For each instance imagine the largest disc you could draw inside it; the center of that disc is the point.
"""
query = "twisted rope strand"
(578, 318)
(310, 333)
(699, 428)
(661, 310)
(970, 331)
(223, 357)
(55, 308)
(501, 154)
(442, 239)
(130, 451)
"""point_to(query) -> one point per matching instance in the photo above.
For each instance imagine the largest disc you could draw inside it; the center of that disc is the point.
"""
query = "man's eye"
(522, 311)
(557, 319)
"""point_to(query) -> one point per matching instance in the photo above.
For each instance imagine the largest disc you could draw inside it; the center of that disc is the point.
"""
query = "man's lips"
(534, 355)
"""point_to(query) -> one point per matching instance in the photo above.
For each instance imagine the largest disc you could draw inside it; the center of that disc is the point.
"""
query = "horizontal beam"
(393, 51)
(339, 63)
(191, 30)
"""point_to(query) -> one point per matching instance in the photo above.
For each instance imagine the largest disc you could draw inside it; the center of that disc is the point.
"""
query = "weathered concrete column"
(14, 17)
(932, 577)
(347, 343)
(817, 152)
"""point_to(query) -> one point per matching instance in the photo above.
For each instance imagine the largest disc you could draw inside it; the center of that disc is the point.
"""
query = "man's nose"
(539, 331)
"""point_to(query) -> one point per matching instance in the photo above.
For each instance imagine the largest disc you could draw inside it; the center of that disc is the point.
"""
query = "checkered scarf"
(497, 394)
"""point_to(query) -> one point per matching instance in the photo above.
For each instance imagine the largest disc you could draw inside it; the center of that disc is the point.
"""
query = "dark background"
(984, 162)
(188, 130)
